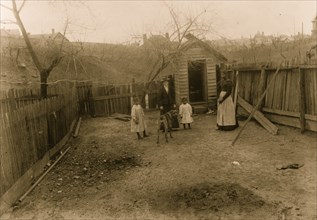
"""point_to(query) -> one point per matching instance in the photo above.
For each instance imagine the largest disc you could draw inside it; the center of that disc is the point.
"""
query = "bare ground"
(108, 174)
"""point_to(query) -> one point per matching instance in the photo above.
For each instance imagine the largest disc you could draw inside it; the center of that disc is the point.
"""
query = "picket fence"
(31, 128)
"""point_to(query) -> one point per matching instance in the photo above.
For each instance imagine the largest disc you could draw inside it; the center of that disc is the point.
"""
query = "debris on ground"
(121, 117)
(290, 166)
(236, 163)
(211, 112)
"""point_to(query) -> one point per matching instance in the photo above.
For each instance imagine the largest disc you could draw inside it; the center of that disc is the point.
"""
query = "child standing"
(138, 123)
(186, 112)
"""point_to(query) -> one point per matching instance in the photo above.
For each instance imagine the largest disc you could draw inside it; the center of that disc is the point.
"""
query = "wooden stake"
(256, 107)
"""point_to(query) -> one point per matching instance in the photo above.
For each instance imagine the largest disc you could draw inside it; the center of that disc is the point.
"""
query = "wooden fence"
(291, 99)
(84, 96)
(34, 129)
(16, 98)
(104, 100)
(31, 130)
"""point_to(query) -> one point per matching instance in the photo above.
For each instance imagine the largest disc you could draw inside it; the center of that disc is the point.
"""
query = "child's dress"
(185, 111)
(137, 114)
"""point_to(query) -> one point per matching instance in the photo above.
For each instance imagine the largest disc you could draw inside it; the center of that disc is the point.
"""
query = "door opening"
(197, 80)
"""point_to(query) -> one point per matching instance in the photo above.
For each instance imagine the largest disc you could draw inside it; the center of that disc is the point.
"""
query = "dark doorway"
(197, 81)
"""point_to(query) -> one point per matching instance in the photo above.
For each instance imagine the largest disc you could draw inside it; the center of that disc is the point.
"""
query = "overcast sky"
(119, 21)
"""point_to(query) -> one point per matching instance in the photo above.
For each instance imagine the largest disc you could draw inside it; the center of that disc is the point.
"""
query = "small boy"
(138, 123)
(186, 112)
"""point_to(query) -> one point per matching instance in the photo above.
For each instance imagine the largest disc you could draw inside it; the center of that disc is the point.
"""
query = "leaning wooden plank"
(25, 181)
(256, 107)
(269, 126)
(77, 128)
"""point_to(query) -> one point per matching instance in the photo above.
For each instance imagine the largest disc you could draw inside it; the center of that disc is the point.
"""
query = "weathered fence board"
(284, 95)
(109, 99)
(30, 129)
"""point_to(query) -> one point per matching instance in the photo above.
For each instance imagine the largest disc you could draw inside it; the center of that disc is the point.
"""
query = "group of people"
(226, 113)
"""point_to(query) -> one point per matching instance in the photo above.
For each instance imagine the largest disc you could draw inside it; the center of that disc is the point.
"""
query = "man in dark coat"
(166, 98)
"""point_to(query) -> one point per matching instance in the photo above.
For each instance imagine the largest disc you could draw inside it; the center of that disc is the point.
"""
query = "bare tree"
(167, 53)
(44, 71)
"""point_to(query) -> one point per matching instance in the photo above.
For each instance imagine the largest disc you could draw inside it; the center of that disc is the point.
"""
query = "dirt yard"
(109, 174)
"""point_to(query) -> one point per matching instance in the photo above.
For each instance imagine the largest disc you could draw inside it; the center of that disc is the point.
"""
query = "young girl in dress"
(186, 112)
(138, 123)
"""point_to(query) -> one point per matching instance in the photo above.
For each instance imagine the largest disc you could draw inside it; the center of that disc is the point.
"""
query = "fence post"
(91, 103)
(131, 92)
(262, 87)
(236, 90)
(302, 99)
(146, 101)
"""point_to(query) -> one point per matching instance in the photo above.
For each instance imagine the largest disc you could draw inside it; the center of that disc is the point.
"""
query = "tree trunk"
(43, 76)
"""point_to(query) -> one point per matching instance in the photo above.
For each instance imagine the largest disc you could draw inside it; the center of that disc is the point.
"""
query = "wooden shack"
(197, 71)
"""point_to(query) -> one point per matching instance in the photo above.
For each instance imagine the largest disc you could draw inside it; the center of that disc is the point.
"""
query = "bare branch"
(66, 25)
(191, 23)
(26, 37)
(82, 65)
(176, 22)
(6, 7)
(22, 5)
(8, 21)
(153, 68)
(75, 66)
(54, 63)
(67, 65)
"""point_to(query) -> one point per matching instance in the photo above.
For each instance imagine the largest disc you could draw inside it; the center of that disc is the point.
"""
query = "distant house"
(157, 41)
(196, 74)
(54, 36)
(260, 38)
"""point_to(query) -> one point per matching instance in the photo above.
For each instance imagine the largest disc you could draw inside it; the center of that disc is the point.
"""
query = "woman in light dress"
(226, 113)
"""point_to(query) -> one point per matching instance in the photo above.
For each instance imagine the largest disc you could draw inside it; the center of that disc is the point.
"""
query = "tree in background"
(167, 48)
(55, 57)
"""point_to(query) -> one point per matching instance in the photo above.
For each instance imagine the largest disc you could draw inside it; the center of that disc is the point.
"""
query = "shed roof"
(192, 40)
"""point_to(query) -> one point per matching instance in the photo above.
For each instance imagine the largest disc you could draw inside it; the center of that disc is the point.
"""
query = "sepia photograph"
(158, 109)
